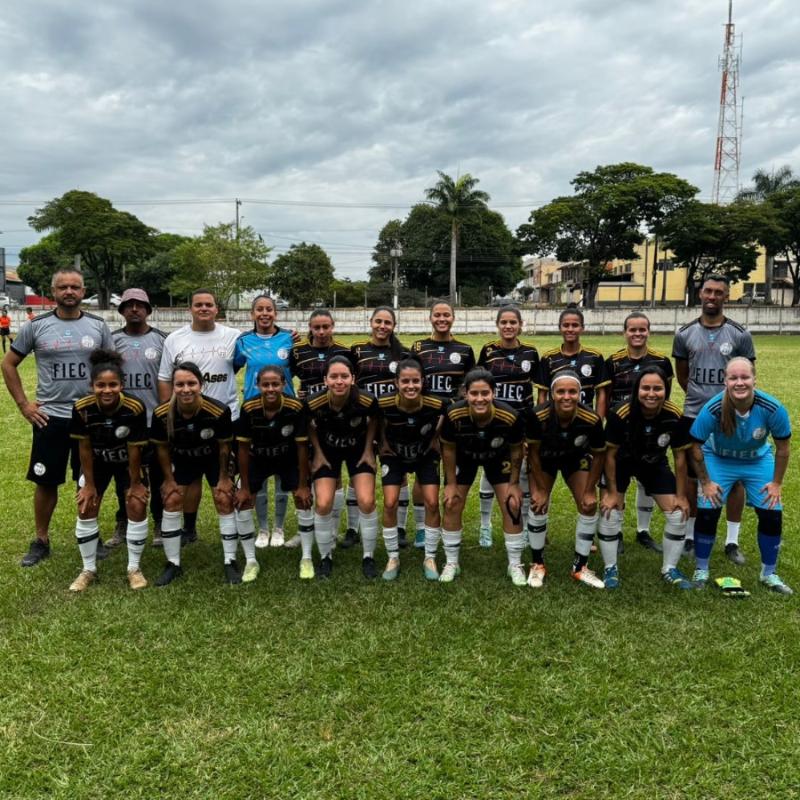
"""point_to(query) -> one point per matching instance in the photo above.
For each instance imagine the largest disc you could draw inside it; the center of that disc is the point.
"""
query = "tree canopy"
(303, 275)
(39, 261)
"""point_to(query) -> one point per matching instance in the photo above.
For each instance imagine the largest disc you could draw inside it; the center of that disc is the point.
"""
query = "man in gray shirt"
(61, 341)
(701, 350)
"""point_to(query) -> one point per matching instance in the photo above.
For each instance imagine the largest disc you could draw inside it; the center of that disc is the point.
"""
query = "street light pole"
(396, 254)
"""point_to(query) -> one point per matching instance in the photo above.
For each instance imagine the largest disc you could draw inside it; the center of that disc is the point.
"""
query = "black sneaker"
(368, 568)
(37, 552)
(648, 542)
(351, 538)
(188, 537)
(325, 568)
(734, 554)
(402, 541)
(102, 551)
(171, 571)
(232, 573)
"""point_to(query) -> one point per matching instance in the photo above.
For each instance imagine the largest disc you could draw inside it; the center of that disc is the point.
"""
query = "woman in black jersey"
(192, 434)
(273, 438)
(445, 361)
(563, 435)
(343, 425)
(639, 434)
(410, 422)
(111, 429)
(515, 365)
(586, 362)
(480, 432)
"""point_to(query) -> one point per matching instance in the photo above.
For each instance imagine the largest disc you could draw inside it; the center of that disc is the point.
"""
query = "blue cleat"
(611, 577)
(674, 577)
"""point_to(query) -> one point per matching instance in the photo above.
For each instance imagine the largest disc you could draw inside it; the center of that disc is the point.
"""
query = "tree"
(348, 294)
(222, 261)
(106, 239)
(707, 238)
(785, 204)
(39, 261)
(458, 200)
(602, 221)
(390, 236)
(765, 185)
(155, 274)
(303, 275)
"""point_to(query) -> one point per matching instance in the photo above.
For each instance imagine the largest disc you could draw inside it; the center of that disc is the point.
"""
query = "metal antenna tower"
(729, 147)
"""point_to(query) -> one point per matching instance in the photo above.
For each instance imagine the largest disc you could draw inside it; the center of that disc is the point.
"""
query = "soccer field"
(358, 689)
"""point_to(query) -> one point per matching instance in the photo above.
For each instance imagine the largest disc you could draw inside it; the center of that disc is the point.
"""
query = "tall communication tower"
(729, 148)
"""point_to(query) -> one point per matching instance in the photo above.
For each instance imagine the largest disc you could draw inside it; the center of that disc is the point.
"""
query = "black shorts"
(426, 468)
(567, 466)
(188, 470)
(656, 478)
(105, 473)
(51, 449)
(496, 472)
(288, 474)
(338, 457)
(5, 331)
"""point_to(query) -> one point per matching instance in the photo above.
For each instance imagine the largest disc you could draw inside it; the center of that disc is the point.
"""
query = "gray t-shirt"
(708, 350)
(141, 360)
(62, 348)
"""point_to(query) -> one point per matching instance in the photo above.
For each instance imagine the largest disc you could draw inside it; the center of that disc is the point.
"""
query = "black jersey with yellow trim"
(197, 436)
(668, 430)
(307, 363)
(342, 428)
(482, 443)
(622, 369)
(272, 436)
(409, 433)
(110, 434)
(514, 369)
(582, 435)
(376, 366)
(587, 363)
(444, 364)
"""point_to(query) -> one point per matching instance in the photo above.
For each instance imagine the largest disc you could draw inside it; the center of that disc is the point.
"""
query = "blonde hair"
(727, 418)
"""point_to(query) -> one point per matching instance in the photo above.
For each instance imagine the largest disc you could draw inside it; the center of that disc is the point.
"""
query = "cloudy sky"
(327, 118)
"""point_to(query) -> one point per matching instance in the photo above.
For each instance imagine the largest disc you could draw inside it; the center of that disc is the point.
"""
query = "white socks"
(87, 534)
(733, 533)
(390, 540)
(432, 536)
(305, 527)
(322, 533)
(369, 533)
(608, 535)
(585, 529)
(486, 495)
(136, 536)
(515, 544)
(229, 536)
(171, 536)
(674, 534)
(402, 508)
(644, 508)
(246, 531)
(352, 509)
(452, 545)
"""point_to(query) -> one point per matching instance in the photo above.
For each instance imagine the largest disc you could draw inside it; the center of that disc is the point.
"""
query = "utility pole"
(238, 202)
(396, 253)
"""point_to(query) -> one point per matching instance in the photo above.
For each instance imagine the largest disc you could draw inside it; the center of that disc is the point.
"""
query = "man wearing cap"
(140, 346)
(61, 342)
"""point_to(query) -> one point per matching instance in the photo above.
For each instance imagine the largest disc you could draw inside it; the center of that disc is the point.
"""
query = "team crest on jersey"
(586, 370)
(526, 365)
(355, 422)
(206, 433)
(287, 430)
(39, 469)
(580, 441)
(498, 441)
(441, 348)
(381, 356)
(87, 342)
(122, 431)
(151, 354)
(759, 433)
(663, 440)
(320, 356)
(455, 358)
(425, 428)
(726, 348)
(411, 420)
(636, 368)
(384, 470)
(283, 353)
(392, 367)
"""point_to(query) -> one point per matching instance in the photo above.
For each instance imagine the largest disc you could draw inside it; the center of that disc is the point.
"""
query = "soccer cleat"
(277, 540)
(251, 570)
(368, 567)
(419, 539)
(83, 581)
(700, 578)
(118, 537)
(402, 539)
(774, 583)
(262, 540)
(293, 542)
(136, 580)
(392, 570)
(37, 552)
(648, 542)
(351, 538)
(585, 575)
(171, 571)
(157, 540)
(233, 575)
(485, 536)
(102, 551)
(674, 577)
(325, 568)
(188, 537)
(611, 577)
(517, 574)
(536, 576)
(430, 569)
(734, 554)
(449, 573)
(306, 569)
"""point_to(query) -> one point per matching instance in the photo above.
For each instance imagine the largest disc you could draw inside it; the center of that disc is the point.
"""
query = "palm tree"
(766, 184)
(457, 198)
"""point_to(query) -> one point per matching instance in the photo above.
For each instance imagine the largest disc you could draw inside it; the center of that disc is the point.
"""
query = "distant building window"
(666, 265)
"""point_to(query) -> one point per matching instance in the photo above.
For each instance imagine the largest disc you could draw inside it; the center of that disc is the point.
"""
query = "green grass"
(408, 690)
